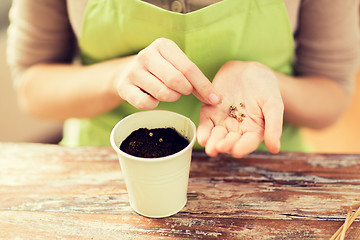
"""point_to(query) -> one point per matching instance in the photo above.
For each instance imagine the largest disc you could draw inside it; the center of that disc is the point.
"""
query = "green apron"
(246, 30)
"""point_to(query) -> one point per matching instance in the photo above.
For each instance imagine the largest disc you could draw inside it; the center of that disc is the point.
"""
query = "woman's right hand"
(162, 72)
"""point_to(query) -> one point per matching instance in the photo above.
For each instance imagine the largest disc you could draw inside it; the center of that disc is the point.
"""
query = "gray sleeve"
(39, 32)
(328, 40)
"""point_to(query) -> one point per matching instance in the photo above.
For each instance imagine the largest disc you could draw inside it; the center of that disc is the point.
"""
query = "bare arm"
(327, 56)
(60, 91)
(311, 101)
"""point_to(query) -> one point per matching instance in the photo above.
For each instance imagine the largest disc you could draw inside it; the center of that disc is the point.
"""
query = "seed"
(161, 140)
(232, 114)
(232, 108)
(242, 105)
(151, 134)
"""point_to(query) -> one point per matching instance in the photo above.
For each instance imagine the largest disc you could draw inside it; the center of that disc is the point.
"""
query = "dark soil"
(153, 143)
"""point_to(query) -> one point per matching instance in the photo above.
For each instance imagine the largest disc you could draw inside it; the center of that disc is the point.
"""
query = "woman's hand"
(162, 72)
(253, 89)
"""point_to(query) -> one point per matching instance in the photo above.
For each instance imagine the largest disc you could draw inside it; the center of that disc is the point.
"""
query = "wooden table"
(54, 192)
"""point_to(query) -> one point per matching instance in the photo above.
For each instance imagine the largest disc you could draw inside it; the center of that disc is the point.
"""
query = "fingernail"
(214, 99)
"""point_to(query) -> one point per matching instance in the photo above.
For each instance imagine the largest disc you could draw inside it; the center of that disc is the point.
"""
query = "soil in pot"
(154, 143)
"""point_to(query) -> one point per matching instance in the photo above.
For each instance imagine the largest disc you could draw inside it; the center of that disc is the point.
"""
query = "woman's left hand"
(253, 89)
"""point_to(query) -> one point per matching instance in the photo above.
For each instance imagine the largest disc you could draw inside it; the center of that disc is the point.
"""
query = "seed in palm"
(234, 113)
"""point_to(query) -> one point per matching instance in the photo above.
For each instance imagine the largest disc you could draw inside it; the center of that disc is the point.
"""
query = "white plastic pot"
(157, 187)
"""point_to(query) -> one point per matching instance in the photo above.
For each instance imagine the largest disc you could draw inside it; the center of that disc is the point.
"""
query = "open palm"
(251, 111)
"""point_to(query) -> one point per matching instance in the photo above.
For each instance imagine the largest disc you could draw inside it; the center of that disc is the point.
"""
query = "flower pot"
(157, 187)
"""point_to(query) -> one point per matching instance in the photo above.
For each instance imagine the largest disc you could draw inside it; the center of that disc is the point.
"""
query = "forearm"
(310, 101)
(61, 91)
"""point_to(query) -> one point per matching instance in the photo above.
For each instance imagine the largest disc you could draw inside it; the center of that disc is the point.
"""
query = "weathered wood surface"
(53, 192)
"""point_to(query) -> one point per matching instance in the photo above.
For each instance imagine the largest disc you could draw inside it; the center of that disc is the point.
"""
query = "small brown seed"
(151, 134)
(232, 115)
(232, 108)
(242, 105)
(161, 140)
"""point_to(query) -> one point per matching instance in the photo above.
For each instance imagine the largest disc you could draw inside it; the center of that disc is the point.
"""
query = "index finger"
(203, 88)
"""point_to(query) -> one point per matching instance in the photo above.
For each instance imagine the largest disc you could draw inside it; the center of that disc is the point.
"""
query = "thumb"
(273, 112)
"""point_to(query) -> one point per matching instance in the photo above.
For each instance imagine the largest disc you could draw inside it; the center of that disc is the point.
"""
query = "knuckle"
(179, 82)
(162, 41)
(255, 65)
(142, 53)
(129, 76)
(167, 95)
(189, 69)
(143, 57)
(140, 103)
(188, 89)
(174, 80)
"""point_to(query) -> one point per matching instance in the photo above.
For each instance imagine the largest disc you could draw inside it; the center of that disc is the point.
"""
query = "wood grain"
(54, 192)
